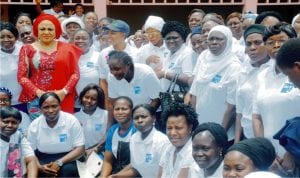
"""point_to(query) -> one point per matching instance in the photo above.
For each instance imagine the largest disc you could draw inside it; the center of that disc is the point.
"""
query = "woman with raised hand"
(57, 139)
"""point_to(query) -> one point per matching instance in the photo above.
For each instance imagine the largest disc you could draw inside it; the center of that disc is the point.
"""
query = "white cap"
(262, 174)
(69, 20)
(154, 22)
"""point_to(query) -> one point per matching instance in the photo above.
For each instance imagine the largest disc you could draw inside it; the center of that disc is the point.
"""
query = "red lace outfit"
(49, 72)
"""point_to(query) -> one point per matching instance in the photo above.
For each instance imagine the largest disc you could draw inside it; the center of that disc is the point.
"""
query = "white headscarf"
(154, 22)
(70, 20)
(294, 20)
(211, 64)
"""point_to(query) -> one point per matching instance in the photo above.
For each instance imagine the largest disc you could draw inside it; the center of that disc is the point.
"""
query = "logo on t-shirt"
(137, 89)
(217, 78)
(148, 157)
(287, 87)
(98, 127)
(90, 64)
(62, 137)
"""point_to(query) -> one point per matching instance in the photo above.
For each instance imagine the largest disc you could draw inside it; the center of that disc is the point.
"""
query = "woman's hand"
(61, 94)
(48, 169)
(39, 93)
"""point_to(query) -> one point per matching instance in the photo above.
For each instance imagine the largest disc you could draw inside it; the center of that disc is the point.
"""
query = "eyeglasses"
(274, 42)
(4, 100)
(217, 39)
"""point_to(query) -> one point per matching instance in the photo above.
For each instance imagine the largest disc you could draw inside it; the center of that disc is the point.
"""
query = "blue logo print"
(216, 79)
(62, 137)
(148, 157)
(98, 127)
(137, 90)
(287, 87)
(90, 64)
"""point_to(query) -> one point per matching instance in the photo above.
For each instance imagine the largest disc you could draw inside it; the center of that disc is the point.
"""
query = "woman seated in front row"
(117, 154)
(57, 139)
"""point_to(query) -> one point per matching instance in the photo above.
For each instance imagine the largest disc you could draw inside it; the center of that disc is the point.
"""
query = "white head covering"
(154, 22)
(262, 174)
(69, 20)
(294, 20)
(211, 64)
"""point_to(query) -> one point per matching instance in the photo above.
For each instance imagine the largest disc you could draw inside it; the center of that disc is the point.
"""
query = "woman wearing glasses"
(213, 89)
(277, 98)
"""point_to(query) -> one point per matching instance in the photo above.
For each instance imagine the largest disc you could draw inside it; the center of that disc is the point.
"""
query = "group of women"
(231, 97)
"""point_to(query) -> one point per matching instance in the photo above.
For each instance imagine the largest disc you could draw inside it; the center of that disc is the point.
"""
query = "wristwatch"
(59, 163)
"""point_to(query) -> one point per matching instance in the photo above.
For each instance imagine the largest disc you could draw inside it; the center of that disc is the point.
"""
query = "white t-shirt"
(184, 159)
(23, 127)
(212, 96)
(26, 151)
(196, 172)
(246, 91)
(277, 100)
(143, 87)
(94, 126)
(52, 12)
(180, 62)
(148, 50)
(63, 137)
(8, 73)
(89, 69)
(145, 154)
(102, 62)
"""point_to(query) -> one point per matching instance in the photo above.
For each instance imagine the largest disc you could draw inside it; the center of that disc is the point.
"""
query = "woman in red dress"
(48, 64)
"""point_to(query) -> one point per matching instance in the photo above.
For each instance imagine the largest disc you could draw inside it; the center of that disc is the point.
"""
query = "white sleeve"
(152, 85)
(187, 64)
(77, 134)
(103, 66)
(32, 134)
(26, 148)
(112, 90)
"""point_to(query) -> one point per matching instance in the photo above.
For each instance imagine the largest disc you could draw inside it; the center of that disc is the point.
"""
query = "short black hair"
(100, 98)
(288, 54)
(196, 11)
(54, 3)
(121, 56)
(176, 26)
(265, 14)
(148, 107)
(46, 96)
(8, 111)
(10, 27)
(78, 4)
(20, 14)
(180, 109)
(278, 28)
(129, 100)
(216, 130)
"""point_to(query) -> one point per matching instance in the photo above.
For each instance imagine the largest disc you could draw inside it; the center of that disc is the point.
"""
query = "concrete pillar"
(250, 5)
(100, 8)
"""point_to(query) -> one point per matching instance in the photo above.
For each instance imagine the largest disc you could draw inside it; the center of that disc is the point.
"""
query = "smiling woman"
(57, 153)
(48, 64)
